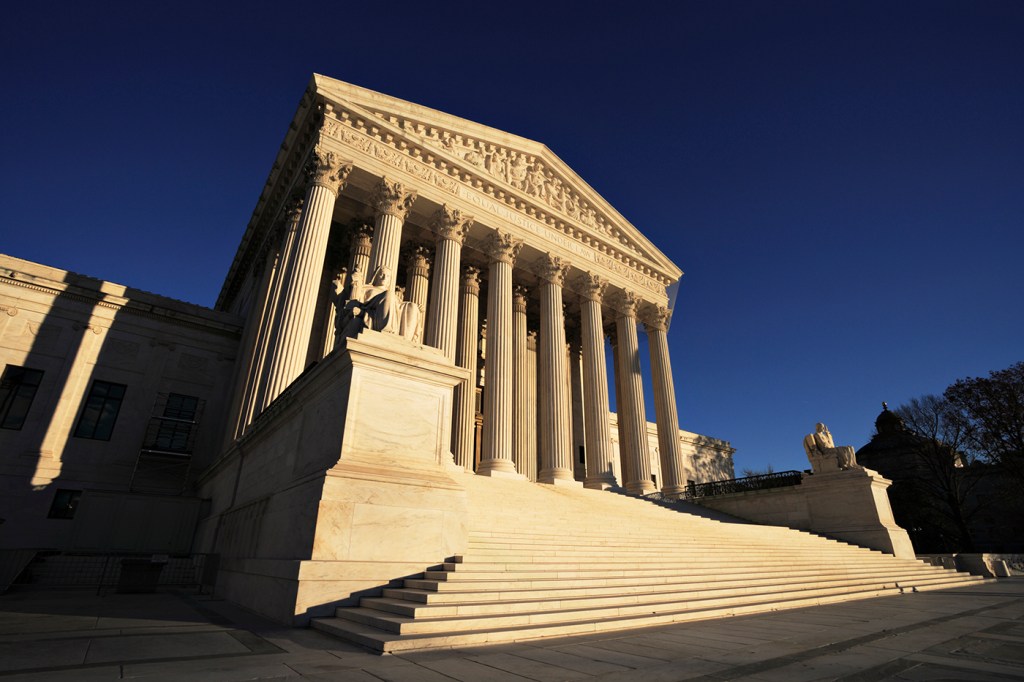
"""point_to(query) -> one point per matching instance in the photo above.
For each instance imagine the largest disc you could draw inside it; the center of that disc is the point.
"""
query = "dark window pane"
(65, 502)
(100, 411)
(17, 390)
(176, 426)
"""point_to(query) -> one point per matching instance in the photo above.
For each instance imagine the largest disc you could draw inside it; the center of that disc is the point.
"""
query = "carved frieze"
(537, 182)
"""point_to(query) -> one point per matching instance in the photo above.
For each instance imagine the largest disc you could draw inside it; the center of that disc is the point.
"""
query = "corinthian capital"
(503, 247)
(552, 269)
(451, 223)
(592, 286)
(519, 294)
(471, 280)
(326, 169)
(392, 198)
(625, 303)
(656, 317)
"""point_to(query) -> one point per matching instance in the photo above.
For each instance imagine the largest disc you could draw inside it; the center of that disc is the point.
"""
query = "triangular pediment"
(510, 164)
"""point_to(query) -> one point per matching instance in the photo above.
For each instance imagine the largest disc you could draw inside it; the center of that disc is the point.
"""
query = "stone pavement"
(974, 633)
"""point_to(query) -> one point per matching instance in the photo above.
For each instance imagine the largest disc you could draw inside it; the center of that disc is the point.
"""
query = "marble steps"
(480, 604)
(444, 592)
(590, 561)
(381, 640)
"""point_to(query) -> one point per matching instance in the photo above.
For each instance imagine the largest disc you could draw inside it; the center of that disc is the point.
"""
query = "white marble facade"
(481, 230)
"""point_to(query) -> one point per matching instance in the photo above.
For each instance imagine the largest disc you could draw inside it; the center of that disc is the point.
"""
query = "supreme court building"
(290, 428)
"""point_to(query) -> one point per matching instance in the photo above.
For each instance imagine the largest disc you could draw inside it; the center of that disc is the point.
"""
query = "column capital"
(502, 247)
(326, 169)
(552, 269)
(392, 198)
(471, 280)
(531, 339)
(655, 317)
(418, 256)
(451, 223)
(591, 286)
(625, 303)
(519, 293)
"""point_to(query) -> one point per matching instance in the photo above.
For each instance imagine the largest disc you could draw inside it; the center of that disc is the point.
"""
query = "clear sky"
(842, 182)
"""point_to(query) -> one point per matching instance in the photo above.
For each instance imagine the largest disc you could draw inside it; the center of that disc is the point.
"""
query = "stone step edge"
(542, 604)
(387, 642)
(396, 623)
(413, 594)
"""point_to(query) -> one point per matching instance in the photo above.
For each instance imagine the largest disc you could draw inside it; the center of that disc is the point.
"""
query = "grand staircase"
(545, 561)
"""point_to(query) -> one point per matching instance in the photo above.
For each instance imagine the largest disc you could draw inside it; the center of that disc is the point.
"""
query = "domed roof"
(889, 422)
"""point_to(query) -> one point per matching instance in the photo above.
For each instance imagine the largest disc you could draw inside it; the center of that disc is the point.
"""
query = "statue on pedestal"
(376, 306)
(823, 454)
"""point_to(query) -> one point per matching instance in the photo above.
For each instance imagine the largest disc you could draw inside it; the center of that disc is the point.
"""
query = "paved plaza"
(974, 633)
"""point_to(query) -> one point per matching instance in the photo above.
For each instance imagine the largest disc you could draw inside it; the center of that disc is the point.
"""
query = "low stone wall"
(850, 505)
(986, 565)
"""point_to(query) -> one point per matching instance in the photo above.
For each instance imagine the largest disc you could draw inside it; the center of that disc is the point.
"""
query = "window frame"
(101, 410)
(11, 393)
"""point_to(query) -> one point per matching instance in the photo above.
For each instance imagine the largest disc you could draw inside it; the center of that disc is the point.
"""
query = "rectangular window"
(17, 389)
(100, 411)
(65, 502)
(176, 424)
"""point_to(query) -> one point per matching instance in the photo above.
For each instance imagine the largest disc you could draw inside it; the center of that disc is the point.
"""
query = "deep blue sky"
(841, 181)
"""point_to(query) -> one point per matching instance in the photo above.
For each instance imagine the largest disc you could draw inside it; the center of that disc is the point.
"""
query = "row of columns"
(282, 321)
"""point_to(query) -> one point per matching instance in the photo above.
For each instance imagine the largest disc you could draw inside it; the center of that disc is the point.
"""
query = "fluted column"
(297, 304)
(391, 202)
(625, 471)
(579, 422)
(671, 455)
(532, 433)
(466, 353)
(632, 416)
(555, 425)
(496, 458)
(417, 269)
(450, 225)
(521, 407)
(359, 263)
(258, 322)
(600, 470)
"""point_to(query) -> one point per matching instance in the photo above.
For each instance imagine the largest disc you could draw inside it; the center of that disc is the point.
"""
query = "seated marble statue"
(376, 306)
(823, 454)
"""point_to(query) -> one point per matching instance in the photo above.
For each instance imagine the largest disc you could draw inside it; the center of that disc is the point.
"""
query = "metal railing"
(778, 479)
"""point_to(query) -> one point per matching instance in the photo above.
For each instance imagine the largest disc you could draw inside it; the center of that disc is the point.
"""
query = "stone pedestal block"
(345, 484)
(853, 506)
